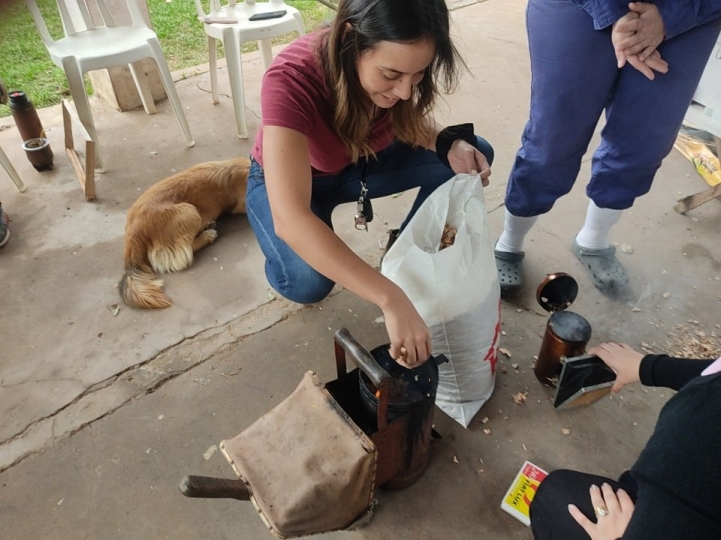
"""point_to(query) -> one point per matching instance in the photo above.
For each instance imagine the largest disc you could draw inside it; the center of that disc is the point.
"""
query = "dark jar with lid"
(36, 145)
(567, 333)
(25, 116)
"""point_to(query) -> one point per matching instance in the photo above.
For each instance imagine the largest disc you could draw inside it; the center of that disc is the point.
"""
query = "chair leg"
(141, 83)
(82, 105)
(213, 61)
(5, 162)
(266, 51)
(299, 23)
(235, 72)
(170, 89)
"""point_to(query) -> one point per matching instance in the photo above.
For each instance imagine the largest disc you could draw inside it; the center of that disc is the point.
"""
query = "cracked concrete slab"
(118, 477)
(64, 334)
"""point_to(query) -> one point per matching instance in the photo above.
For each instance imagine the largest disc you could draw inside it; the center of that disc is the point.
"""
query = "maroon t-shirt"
(294, 95)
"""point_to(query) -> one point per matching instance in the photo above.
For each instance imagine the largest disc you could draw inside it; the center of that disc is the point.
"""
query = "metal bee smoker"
(567, 333)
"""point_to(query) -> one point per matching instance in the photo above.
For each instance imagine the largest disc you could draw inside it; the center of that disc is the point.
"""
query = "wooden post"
(115, 86)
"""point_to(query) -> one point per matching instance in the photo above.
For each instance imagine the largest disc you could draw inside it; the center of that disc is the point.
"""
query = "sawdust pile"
(689, 341)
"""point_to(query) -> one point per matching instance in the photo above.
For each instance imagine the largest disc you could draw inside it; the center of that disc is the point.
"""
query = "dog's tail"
(141, 288)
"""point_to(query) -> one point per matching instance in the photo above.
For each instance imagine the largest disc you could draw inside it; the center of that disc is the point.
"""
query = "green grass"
(25, 63)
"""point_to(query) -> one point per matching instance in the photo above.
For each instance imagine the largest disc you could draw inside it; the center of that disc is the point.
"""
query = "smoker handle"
(345, 343)
(361, 357)
(207, 487)
(440, 359)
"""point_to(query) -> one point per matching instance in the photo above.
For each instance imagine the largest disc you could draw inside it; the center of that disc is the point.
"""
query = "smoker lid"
(557, 292)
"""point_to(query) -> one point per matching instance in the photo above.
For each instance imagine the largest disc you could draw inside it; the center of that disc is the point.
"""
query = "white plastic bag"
(455, 290)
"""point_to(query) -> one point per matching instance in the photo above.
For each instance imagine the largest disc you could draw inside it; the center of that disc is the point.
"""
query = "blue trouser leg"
(396, 169)
(573, 70)
(643, 119)
(574, 77)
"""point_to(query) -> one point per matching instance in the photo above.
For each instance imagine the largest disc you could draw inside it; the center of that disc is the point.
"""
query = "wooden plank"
(692, 201)
(78, 124)
(86, 176)
(89, 169)
(75, 161)
(67, 125)
(5, 162)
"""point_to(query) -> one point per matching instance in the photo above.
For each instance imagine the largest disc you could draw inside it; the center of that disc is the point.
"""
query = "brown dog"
(172, 220)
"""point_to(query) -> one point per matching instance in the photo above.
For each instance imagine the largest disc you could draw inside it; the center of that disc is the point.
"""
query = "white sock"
(514, 231)
(599, 221)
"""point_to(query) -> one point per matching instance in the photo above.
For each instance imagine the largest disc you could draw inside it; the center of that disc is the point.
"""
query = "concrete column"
(115, 86)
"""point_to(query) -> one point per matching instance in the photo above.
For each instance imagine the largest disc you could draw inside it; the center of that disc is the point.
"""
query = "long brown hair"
(358, 27)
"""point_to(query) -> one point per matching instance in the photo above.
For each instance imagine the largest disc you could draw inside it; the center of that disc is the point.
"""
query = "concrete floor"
(104, 411)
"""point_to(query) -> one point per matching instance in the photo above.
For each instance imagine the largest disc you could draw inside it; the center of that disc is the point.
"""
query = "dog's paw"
(209, 235)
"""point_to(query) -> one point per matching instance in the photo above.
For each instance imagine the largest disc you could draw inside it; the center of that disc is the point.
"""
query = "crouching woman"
(346, 117)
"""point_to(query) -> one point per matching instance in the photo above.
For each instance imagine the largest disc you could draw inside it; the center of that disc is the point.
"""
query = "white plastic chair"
(234, 35)
(12, 173)
(100, 47)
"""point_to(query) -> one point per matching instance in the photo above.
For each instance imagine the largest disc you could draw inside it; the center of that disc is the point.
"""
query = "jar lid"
(18, 96)
(557, 292)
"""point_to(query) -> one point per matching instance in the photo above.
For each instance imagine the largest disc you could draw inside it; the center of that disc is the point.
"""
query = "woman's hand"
(613, 513)
(409, 334)
(465, 158)
(623, 360)
(644, 32)
(626, 38)
(621, 31)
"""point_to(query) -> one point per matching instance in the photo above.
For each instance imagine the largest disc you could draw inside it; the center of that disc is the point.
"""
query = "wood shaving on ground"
(504, 370)
(487, 431)
(519, 398)
(505, 351)
(455, 459)
(565, 431)
(209, 452)
(485, 420)
(689, 340)
(448, 236)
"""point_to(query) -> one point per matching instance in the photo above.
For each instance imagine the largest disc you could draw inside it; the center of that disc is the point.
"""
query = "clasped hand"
(635, 37)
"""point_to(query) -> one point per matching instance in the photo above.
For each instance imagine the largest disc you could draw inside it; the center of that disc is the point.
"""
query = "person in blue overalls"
(638, 62)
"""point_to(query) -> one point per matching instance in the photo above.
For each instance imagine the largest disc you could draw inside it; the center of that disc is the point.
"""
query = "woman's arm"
(289, 183)
(679, 17)
(650, 370)
(674, 373)
(462, 156)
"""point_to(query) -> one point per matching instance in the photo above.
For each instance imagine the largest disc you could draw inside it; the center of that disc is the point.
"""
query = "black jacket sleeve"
(669, 372)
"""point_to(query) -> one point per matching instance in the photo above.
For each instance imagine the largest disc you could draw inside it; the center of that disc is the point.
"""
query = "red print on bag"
(492, 355)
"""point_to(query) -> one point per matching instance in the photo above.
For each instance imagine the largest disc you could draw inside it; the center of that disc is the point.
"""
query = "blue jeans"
(397, 168)
(569, 93)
